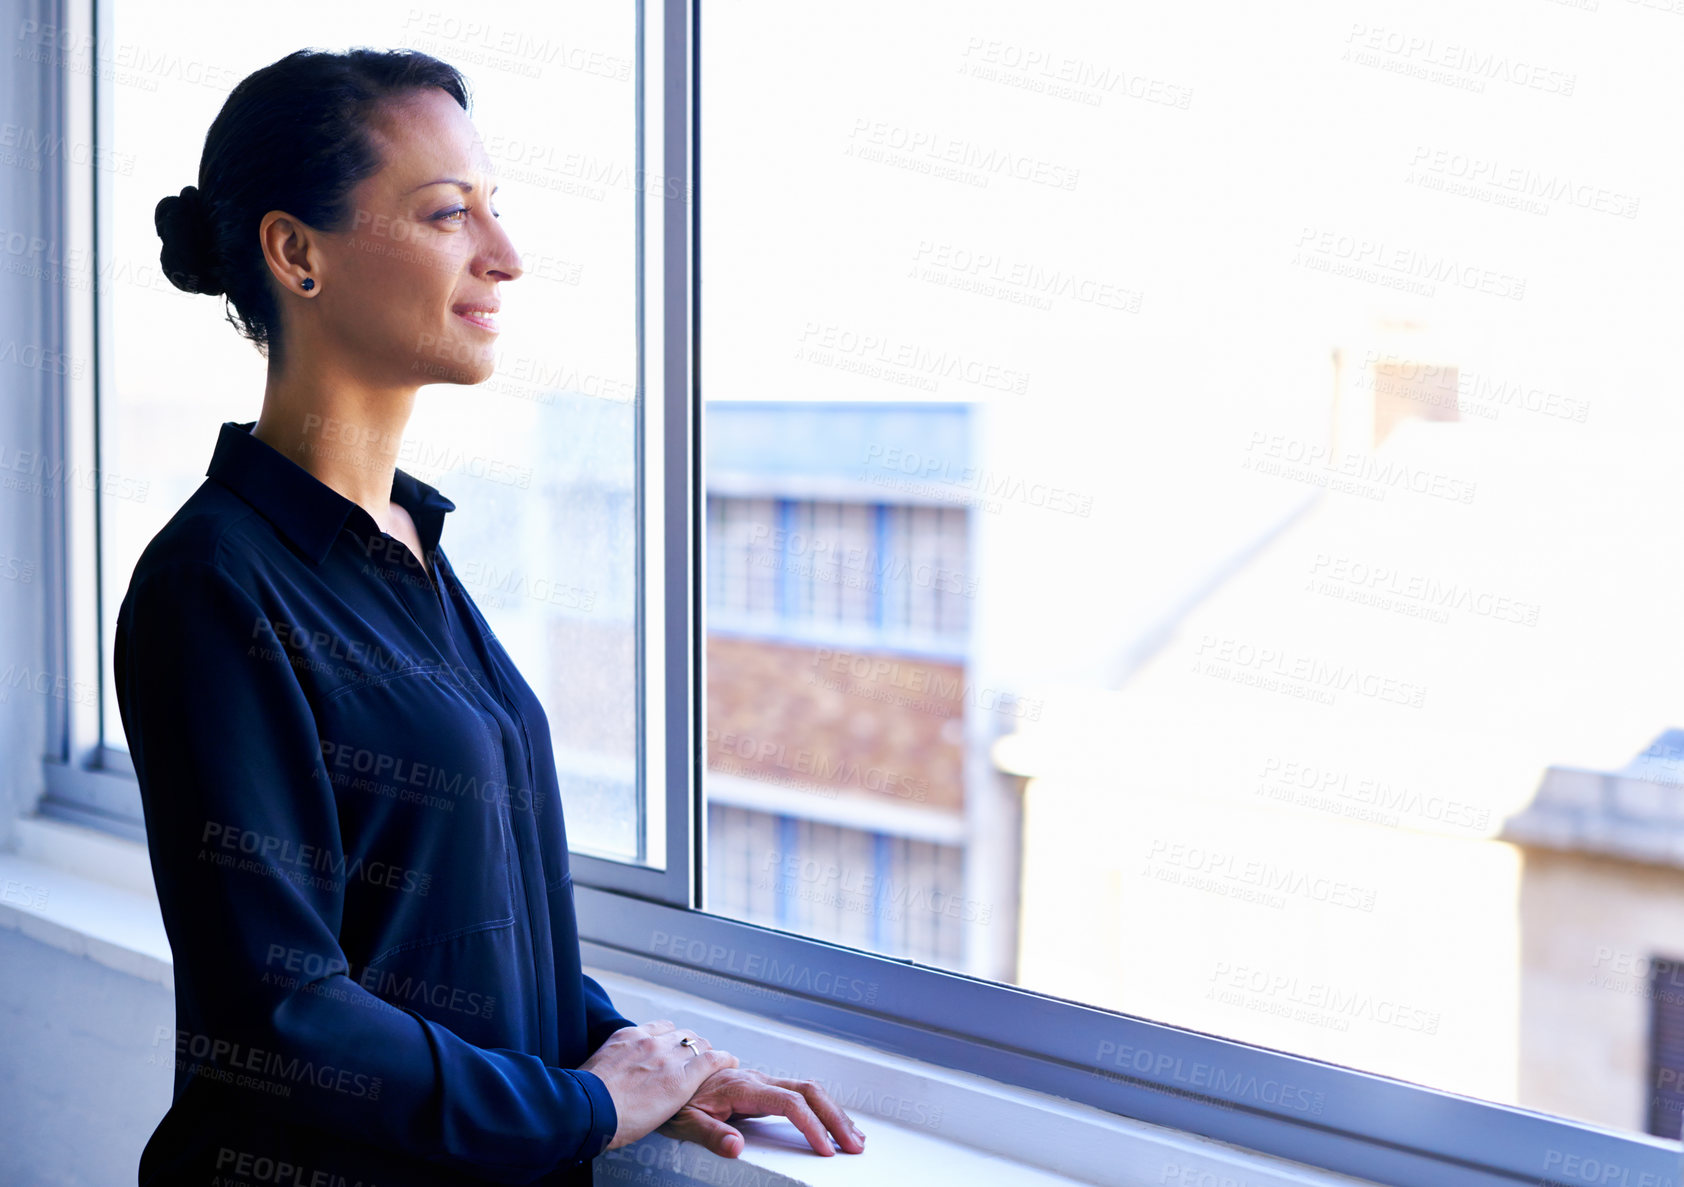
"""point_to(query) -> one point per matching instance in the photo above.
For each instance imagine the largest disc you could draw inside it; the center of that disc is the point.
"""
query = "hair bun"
(189, 253)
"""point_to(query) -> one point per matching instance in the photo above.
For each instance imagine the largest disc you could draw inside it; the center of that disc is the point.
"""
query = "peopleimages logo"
(1275, 669)
(1165, 858)
(1400, 266)
(797, 976)
(210, 1057)
(1450, 62)
(822, 769)
(990, 483)
(881, 355)
(1576, 1168)
(1318, 786)
(1366, 474)
(1387, 587)
(269, 850)
(1234, 1085)
(870, 139)
(1526, 183)
(260, 1168)
(1323, 1003)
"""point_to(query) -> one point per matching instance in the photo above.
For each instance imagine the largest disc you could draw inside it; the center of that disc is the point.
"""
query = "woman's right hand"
(651, 1074)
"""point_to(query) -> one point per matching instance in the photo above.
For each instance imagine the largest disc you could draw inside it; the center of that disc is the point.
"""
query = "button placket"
(501, 708)
(401, 585)
(512, 711)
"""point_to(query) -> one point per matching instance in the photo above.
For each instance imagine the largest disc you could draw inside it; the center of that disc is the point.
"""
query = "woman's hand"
(650, 1074)
(743, 1092)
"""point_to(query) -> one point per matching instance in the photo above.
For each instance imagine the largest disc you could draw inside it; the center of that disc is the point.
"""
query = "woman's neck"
(346, 436)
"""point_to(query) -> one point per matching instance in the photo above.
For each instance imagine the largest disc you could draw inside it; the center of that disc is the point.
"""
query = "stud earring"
(308, 283)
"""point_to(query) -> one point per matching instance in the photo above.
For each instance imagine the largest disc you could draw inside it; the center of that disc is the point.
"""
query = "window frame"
(86, 781)
(648, 922)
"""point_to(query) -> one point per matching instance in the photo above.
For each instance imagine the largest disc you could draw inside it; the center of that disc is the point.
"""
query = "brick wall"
(854, 724)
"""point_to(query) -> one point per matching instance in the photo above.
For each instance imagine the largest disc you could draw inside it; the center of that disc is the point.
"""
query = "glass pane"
(540, 459)
(1191, 497)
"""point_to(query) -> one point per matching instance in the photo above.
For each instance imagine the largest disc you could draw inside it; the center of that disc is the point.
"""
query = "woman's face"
(394, 291)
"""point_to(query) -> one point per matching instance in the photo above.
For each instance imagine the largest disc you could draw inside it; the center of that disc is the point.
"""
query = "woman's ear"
(291, 250)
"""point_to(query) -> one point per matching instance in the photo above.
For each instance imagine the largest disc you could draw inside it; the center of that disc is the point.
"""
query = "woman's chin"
(471, 377)
(478, 371)
(461, 365)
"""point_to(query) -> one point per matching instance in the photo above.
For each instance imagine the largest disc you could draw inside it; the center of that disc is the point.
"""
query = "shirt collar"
(303, 508)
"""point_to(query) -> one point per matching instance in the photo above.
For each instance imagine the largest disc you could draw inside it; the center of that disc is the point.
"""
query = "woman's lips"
(482, 320)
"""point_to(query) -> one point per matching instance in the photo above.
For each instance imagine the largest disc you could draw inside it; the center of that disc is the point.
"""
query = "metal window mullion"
(669, 765)
(86, 779)
(684, 689)
(56, 537)
(881, 568)
(783, 589)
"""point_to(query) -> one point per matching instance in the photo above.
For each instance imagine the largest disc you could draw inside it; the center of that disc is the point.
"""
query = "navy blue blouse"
(354, 825)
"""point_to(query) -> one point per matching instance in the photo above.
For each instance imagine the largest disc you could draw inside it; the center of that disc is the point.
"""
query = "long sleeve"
(246, 851)
(601, 1018)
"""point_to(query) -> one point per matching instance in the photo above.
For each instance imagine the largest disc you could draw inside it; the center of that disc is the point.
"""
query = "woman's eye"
(447, 216)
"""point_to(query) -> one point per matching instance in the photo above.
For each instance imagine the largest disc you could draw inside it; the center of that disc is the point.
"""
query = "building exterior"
(850, 792)
(1602, 942)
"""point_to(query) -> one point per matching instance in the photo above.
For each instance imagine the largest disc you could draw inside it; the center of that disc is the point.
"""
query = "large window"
(540, 460)
(1125, 548)
(1309, 508)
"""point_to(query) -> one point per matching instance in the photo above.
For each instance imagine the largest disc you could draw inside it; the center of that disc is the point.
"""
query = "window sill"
(91, 895)
(925, 1123)
(88, 894)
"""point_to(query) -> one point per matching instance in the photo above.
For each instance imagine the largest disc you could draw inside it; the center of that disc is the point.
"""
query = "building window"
(894, 570)
(875, 891)
(1666, 1046)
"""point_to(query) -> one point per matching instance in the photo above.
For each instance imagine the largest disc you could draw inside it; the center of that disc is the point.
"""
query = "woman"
(350, 797)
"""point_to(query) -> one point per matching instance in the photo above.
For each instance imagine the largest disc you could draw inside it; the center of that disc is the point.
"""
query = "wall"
(87, 1069)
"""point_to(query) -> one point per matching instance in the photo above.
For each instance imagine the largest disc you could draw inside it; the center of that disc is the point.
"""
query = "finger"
(660, 1026)
(786, 1102)
(700, 1067)
(829, 1112)
(693, 1125)
(697, 1040)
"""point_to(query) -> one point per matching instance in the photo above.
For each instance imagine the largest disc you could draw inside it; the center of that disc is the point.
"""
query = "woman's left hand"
(743, 1092)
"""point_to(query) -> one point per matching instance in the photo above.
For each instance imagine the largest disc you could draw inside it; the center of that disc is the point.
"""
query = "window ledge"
(91, 895)
(48, 893)
(924, 1123)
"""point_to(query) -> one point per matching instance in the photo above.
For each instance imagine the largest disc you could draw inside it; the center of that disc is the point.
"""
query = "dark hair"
(291, 136)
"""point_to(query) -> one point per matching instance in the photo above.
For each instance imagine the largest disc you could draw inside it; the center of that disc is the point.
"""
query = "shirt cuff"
(599, 1034)
(605, 1118)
